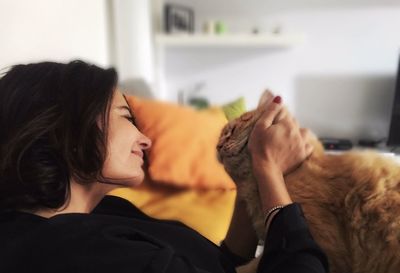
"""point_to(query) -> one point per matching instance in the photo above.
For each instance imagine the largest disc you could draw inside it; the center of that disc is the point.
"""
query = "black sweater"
(117, 237)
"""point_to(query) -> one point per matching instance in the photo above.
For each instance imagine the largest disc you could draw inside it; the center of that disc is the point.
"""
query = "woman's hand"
(277, 140)
(277, 146)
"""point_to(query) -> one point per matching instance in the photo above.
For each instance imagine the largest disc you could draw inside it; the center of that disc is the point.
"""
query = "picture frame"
(178, 19)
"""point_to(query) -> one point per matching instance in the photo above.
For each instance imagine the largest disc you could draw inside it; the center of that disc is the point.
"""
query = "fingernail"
(277, 99)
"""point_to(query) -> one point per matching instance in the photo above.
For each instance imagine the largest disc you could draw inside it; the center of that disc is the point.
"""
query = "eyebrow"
(126, 107)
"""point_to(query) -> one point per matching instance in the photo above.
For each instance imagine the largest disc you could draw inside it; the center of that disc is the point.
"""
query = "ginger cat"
(351, 201)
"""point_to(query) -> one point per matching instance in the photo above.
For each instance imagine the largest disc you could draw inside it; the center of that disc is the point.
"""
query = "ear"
(266, 98)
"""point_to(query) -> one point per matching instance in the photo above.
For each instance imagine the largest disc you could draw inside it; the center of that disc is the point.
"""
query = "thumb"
(269, 115)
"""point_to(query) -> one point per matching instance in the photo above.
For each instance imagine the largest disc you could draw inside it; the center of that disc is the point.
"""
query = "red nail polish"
(277, 99)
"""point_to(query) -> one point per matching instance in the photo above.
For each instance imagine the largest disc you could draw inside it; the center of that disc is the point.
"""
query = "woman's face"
(125, 146)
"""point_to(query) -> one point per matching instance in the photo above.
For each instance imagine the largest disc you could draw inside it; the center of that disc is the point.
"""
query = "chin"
(135, 180)
(127, 180)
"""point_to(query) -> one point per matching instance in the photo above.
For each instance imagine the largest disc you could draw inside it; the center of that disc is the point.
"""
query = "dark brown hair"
(52, 122)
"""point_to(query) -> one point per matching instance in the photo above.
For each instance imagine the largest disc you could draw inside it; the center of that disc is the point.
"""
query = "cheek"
(127, 169)
(120, 144)
(120, 162)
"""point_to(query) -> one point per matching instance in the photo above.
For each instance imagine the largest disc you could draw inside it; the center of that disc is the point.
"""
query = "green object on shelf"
(220, 27)
(199, 103)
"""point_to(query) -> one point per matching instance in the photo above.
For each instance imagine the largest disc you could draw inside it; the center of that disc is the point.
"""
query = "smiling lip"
(138, 153)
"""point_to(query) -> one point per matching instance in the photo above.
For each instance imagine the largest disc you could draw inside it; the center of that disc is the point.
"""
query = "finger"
(285, 113)
(266, 98)
(282, 114)
(269, 115)
(290, 123)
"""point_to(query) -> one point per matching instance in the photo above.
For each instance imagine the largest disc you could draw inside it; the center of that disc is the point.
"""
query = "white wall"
(58, 30)
(340, 82)
(132, 37)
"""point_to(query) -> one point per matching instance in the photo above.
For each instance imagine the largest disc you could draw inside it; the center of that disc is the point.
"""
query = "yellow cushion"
(183, 153)
(207, 211)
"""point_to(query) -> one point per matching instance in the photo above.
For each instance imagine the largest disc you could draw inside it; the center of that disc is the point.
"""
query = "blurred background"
(334, 62)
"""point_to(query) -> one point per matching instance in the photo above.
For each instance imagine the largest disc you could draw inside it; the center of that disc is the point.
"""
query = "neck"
(83, 199)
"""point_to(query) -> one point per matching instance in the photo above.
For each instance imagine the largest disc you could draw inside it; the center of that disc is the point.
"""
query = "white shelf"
(229, 40)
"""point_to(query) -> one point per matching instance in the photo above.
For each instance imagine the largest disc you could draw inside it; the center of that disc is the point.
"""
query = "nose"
(144, 142)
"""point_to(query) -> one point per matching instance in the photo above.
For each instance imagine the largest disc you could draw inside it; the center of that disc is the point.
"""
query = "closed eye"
(131, 119)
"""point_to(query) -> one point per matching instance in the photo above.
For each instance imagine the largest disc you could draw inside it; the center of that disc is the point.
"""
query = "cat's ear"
(266, 98)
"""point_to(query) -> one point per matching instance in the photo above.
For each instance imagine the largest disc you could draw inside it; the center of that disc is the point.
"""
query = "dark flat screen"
(394, 133)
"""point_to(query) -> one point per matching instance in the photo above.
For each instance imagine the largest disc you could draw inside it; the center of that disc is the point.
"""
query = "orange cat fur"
(351, 201)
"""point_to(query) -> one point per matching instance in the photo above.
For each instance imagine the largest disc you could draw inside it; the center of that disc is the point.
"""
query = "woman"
(68, 137)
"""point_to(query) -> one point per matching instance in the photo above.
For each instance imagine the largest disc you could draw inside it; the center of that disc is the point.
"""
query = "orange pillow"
(184, 141)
